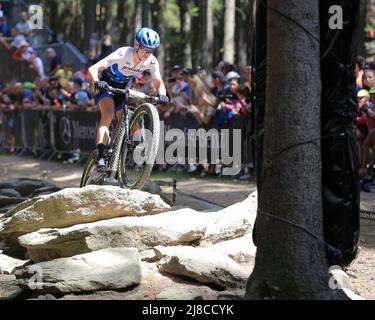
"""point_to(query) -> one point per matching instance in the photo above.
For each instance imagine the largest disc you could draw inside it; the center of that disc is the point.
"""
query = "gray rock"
(6, 209)
(25, 186)
(44, 191)
(242, 250)
(106, 295)
(148, 256)
(184, 292)
(8, 264)
(44, 297)
(9, 289)
(169, 228)
(10, 193)
(153, 188)
(182, 227)
(202, 264)
(78, 205)
(108, 269)
(232, 222)
(6, 201)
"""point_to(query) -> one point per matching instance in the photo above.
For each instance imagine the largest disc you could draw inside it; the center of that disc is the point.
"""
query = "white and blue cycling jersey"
(120, 66)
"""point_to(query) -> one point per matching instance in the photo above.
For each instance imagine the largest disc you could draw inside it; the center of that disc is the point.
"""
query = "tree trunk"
(362, 35)
(158, 9)
(108, 17)
(229, 30)
(146, 14)
(89, 18)
(137, 16)
(244, 31)
(53, 13)
(207, 33)
(196, 34)
(291, 264)
(185, 32)
(123, 19)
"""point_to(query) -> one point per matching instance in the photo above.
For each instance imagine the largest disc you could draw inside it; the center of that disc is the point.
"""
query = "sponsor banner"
(37, 129)
(75, 130)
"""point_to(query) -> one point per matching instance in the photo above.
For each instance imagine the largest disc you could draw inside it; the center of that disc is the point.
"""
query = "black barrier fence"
(50, 132)
(74, 130)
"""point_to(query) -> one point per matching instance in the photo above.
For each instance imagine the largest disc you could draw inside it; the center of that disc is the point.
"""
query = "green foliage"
(172, 16)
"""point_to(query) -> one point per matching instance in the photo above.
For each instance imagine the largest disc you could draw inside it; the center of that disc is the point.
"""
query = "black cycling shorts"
(116, 97)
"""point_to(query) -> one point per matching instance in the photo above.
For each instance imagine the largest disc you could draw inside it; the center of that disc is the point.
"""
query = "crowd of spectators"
(365, 120)
(219, 99)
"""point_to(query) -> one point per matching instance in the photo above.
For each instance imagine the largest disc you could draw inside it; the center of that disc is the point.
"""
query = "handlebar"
(130, 93)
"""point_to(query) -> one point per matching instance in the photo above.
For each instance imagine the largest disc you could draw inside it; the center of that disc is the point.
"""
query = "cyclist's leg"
(107, 111)
(106, 106)
(118, 101)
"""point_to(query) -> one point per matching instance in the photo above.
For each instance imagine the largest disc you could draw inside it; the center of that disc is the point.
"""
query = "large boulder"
(76, 206)
(169, 229)
(109, 269)
(232, 222)
(202, 264)
(181, 227)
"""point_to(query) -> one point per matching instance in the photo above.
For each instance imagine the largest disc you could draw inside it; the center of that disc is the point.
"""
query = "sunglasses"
(146, 50)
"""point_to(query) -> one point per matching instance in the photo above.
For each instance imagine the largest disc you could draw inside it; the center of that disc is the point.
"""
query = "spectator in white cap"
(22, 48)
(29, 54)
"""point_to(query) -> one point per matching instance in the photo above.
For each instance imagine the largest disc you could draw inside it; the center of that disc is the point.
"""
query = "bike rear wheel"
(138, 154)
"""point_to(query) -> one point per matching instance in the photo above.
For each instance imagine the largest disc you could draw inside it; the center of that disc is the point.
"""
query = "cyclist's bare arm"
(95, 69)
(159, 85)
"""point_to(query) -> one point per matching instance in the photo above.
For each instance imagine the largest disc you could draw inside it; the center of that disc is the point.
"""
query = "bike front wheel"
(90, 176)
(139, 152)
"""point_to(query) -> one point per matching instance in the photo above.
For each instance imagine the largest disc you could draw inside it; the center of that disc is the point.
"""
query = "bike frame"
(121, 134)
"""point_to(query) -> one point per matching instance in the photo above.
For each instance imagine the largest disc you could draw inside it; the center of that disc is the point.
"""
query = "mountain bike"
(132, 148)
